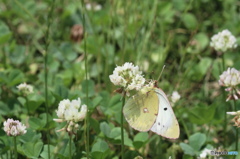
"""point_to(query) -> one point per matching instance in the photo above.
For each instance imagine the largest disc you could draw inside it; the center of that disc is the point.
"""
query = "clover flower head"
(230, 78)
(223, 41)
(69, 110)
(175, 97)
(204, 153)
(128, 76)
(14, 127)
(25, 88)
(72, 112)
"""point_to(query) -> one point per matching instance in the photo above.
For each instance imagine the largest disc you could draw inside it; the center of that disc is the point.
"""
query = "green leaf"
(60, 92)
(199, 71)
(187, 149)
(64, 150)
(15, 77)
(30, 136)
(4, 109)
(204, 65)
(99, 149)
(202, 41)
(95, 125)
(197, 140)
(202, 114)
(5, 34)
(90, 88)
(44, 153)
(111, 106)
(34, 101)
(33, 149)
(189, 21)
(96, 101)
(104, 127)
(140, 139)
(187, 157)
(37, 123)
(115, 135)
(100, 146)
(18, 56)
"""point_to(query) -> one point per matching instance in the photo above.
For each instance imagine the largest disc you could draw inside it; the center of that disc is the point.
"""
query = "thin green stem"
(46, 100)
(235, 107)
(49, 22)
(70, 146)
(225, 121)
(223, 62)
(225, 107)
(15, 147)
(122, 134)
(27, 105)
(185, 128)
(86, 76)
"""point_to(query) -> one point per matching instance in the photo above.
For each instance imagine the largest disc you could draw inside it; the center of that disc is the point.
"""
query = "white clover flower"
(223, 41)
(128, 76)
(25, 88)
(230, 78)
(204, 153)
(14, 127)
(69, 111)
(97, 7)
(175, 97)
(88, 6)
(63, 105)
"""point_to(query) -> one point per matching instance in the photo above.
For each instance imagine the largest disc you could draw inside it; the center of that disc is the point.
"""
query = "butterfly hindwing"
(141, 110)
(166, 123)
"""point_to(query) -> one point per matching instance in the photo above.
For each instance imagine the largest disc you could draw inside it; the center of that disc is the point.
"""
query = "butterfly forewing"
(166, 123)
(141, 110)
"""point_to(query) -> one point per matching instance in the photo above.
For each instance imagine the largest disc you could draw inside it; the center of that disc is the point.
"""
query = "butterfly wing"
(141, 110)
(166, 123)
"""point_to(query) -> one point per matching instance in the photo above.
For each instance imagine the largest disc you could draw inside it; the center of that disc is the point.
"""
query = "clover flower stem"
(49, 22)
(86, 76)
(27, 105)
(235, 106)
(15, 147)
(225, 117)
(46, 100)
(223, 63)
(70, 146)
(185, 127)
(224, 99)
(122, 134)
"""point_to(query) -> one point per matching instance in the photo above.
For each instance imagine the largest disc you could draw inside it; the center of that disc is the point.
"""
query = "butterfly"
(152, 111)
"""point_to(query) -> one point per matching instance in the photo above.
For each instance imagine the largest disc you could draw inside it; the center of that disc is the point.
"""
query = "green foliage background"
(175, 33)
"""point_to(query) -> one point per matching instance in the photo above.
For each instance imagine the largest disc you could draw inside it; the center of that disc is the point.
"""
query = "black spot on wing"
(165, 109)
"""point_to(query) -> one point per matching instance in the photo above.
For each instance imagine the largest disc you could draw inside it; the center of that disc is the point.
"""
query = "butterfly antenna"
(161, 73)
